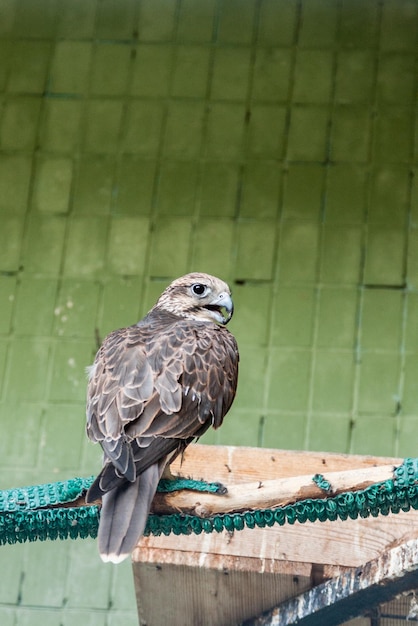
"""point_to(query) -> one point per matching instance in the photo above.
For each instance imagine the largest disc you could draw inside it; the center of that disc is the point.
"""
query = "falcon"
(154, 387)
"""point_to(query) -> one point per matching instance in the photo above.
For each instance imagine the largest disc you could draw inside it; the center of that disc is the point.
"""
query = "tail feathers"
(124, 515)
(107, 480)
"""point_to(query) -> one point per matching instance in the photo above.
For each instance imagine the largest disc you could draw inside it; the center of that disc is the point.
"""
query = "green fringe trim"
(36, 512)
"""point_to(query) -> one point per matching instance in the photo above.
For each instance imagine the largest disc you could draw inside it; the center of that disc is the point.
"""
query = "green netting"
(44, 511)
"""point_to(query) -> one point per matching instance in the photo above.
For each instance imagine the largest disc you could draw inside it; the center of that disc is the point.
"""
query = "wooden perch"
(226, 578)
(268, 493)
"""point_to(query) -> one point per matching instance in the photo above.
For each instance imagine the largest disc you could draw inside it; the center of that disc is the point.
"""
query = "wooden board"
(201, 596)
(222, 579)
(349, 544)
(231, 464)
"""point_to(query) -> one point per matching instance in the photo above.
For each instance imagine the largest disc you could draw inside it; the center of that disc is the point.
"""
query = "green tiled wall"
(271, 142)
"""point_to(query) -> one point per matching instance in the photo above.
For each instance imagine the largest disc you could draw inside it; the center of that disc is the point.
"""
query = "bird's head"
(199, 297)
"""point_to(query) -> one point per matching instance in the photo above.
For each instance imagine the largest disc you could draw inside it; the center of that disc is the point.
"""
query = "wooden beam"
(351, 594)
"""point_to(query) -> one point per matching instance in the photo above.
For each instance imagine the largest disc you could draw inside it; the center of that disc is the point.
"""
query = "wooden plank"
(350, 595)
(229, 464)
(203, 596)
(348, 544)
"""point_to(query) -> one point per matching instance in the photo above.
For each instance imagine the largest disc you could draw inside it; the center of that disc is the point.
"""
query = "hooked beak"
(222, 308)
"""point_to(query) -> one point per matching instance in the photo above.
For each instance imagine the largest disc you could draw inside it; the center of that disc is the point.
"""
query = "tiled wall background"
(271, 142)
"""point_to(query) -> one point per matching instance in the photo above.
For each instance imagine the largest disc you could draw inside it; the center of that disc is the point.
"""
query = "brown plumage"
(153, 388)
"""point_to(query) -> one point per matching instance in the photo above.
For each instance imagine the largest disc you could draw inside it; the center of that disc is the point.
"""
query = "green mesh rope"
(44, 511)
(321, 482)
(31, 513)
(167, 486)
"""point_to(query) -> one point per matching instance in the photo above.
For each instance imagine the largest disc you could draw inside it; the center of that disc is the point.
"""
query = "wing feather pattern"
(153, 388)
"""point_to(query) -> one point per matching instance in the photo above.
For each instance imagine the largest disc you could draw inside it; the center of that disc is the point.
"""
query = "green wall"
(270, 142)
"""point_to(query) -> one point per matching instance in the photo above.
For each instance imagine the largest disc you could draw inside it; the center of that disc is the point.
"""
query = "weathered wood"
(234, 465)
(334, 544)
(193, 569)
(350, 595)
(268, 493)
(348, 543)
(184, 595)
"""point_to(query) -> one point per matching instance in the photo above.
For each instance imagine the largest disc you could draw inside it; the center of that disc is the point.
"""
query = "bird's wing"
(121, 383)
(150, 383)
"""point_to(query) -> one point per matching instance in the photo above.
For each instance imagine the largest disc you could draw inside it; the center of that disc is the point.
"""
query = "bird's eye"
(199, 289)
